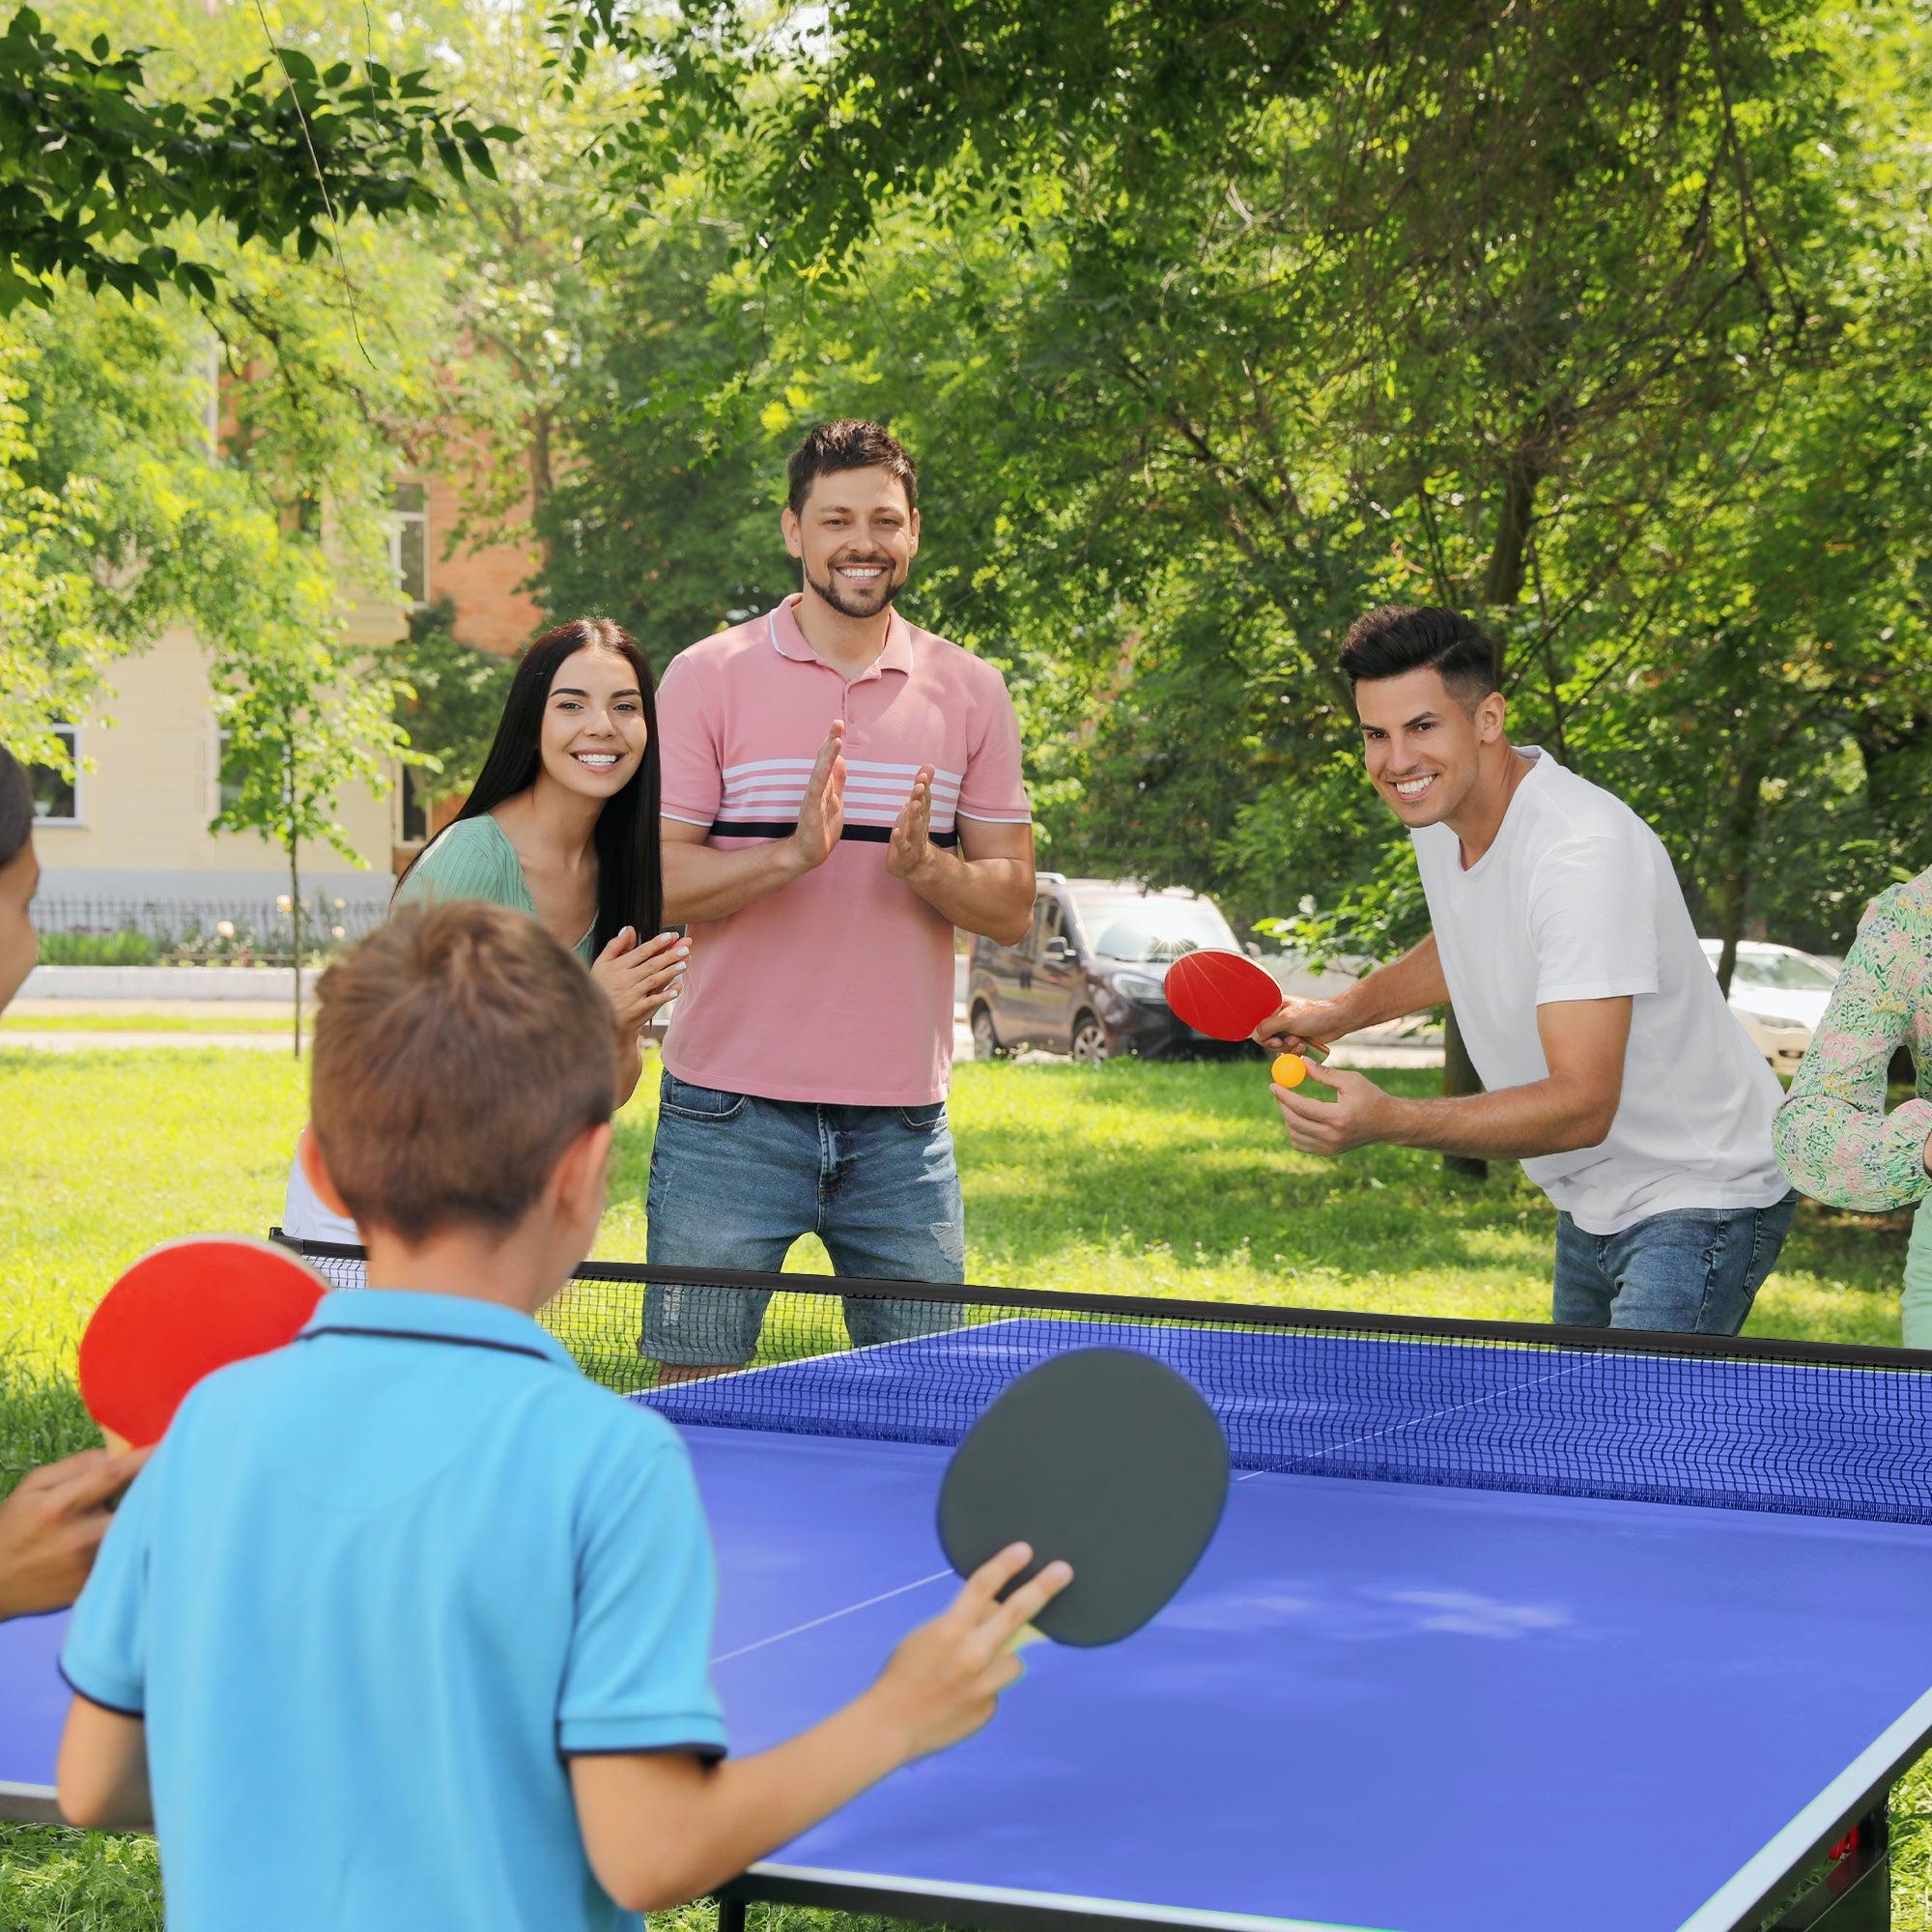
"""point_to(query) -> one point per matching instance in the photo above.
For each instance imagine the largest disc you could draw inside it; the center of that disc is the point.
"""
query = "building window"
(57, 798)
(413, 807)
(226, 789)
(409, 541)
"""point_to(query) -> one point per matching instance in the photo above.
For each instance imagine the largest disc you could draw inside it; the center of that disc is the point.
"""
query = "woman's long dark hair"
(630, 882)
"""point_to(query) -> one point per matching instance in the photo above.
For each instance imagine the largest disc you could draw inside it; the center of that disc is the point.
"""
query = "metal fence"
(82, 931)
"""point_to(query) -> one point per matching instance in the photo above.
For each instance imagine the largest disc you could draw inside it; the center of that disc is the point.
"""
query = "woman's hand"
(638, 978)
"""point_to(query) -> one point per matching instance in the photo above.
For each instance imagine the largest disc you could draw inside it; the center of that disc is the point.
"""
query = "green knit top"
(473, 860)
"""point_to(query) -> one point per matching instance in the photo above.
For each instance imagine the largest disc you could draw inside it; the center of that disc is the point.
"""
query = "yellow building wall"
(146, 804)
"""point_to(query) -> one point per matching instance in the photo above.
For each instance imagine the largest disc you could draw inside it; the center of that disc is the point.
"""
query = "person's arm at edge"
(1411, 984)
(102, 1775)
(630, 1070)
(1573, 1106)
(701, 883)
(663, 1827)
(51, 1525)
(1831, 1135)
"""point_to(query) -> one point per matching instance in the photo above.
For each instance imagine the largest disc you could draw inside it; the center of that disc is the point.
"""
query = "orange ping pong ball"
(1289, 1070)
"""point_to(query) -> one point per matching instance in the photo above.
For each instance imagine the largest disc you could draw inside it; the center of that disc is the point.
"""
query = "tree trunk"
(1502, 582)
(538, 455)
(1502, 585)
(1740, 835)
(1460, 1077)
(294, 900)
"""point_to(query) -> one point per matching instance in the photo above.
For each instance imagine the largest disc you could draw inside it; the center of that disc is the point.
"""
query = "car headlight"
(1138, 986)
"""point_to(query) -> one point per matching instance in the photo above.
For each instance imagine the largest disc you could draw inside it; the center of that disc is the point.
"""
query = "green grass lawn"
(1144, 1180)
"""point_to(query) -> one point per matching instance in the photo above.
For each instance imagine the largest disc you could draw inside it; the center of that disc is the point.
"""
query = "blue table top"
(1397, 1705)
(1407, 1708)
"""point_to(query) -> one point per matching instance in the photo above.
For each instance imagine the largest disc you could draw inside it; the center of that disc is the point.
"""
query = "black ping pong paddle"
(1103, 1458)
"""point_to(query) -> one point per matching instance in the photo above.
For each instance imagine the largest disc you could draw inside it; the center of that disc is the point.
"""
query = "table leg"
(730, 1915)
(1855, 1892)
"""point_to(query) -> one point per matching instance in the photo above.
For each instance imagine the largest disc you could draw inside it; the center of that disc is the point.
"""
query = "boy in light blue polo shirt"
(406, 1624)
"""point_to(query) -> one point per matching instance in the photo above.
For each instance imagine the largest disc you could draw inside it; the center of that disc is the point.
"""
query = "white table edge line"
(1111, 1908)
(830, 1617)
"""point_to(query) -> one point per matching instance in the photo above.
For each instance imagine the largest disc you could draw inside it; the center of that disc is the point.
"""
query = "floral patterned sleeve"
(1833, 1137)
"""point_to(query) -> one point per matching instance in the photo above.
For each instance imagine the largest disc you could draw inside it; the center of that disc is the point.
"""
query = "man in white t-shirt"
(1616, 1072)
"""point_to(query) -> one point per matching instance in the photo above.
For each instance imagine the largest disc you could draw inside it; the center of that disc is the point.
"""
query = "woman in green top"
(562, 822)
(1833, 1137)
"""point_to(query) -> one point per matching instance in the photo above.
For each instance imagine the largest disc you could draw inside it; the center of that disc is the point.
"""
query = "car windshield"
(1784, 972)
(1148, 932)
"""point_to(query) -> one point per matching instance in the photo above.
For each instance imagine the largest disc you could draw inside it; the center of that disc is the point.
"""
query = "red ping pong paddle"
(183, 1310)
(1103, 1458)
(1224, 995)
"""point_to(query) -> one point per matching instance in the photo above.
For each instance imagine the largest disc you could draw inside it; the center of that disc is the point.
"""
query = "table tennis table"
(1505, 1627)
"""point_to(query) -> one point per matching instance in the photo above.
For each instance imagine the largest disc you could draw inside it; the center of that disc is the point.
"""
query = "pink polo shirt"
(837, 987)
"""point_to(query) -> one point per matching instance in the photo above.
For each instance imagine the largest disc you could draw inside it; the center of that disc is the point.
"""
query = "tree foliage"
(97, 179)
(1597, 318)
(455, 698)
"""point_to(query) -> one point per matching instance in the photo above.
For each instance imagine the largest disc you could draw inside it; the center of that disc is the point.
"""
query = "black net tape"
(1703, 1420)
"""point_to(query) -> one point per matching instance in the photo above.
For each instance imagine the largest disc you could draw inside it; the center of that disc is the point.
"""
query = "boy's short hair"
(1398, 639)
(16, 807)
(848, 444)
(459, 1050)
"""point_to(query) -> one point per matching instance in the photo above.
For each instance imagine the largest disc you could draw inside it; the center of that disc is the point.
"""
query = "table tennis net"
(1488, 1406)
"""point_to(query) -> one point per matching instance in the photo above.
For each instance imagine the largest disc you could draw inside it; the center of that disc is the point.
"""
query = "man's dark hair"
(1400, 638)
(848, 444)
(16, 807)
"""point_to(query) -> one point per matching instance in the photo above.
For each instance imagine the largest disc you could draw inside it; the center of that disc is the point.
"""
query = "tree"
(98, 177)
(302, 724)
(455, 701)
(51, 646)
(1228, 327)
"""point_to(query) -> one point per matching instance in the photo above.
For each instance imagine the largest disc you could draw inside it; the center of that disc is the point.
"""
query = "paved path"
(80, 1042)
(25, 1008)
(1371, 1051)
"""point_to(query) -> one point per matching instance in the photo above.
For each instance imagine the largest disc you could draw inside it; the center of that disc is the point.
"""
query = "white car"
(1779, 996)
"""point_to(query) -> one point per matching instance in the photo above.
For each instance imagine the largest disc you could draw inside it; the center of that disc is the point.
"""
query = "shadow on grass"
(1192, 1158)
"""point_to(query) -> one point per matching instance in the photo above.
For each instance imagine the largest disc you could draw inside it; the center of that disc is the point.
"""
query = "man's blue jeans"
(735, 1180)
(1694, 1269)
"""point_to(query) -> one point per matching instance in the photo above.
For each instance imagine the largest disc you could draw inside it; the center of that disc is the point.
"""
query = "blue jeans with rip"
(736, 1179)
(1692, 1269)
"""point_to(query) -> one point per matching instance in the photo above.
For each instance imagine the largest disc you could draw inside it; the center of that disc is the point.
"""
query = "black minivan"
(1085, 980)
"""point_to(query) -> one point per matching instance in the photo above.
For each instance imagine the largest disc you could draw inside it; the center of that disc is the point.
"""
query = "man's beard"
(843, 601)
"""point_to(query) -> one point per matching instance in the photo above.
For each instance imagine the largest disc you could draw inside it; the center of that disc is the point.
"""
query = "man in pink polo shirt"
(840, 791)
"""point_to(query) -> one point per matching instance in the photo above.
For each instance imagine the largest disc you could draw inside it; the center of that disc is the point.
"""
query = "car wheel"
(985, 1040)
(1090, 1041)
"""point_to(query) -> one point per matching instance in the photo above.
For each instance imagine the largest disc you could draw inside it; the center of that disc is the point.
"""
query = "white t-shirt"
(307, 1219)
(1576, 900)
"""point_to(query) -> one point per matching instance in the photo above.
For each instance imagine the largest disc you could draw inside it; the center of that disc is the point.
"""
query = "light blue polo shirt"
(370, 1594)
